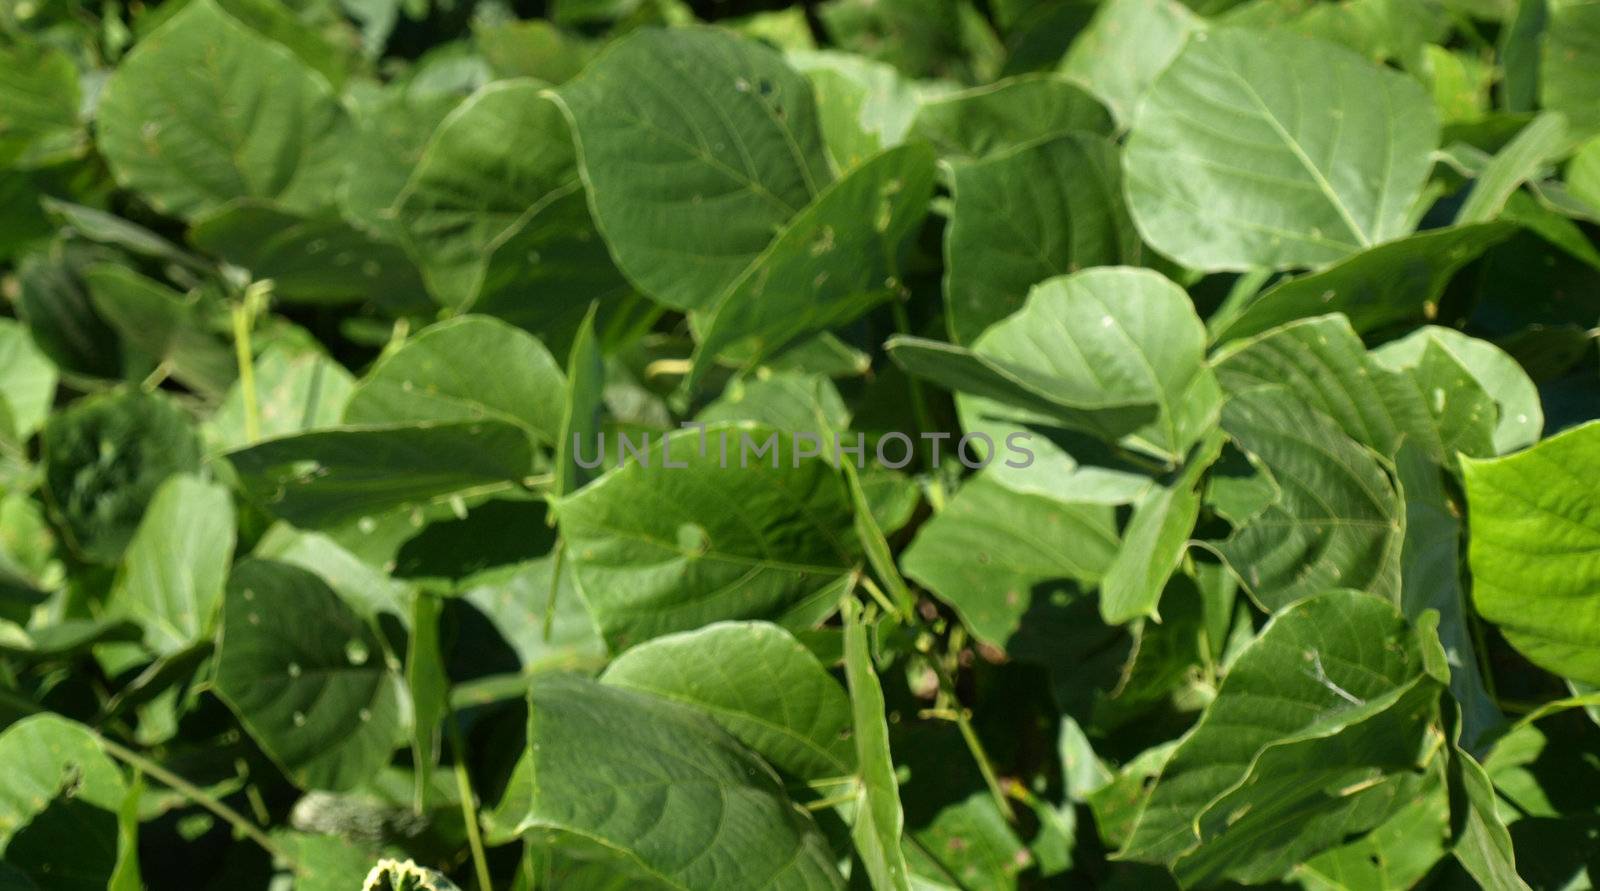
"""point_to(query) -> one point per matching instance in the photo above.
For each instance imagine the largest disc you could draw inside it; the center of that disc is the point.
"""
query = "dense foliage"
(1136, 444)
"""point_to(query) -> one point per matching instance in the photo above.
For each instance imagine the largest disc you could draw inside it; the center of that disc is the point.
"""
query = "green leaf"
(992, 552)
(696, 147)
(1023, 215)
(162, 324)
(1535, 549)
(306, 676)
(879, 820)
(54, 303)
(1392, 283)
(678, 538)
(296, 389)
(173, 572)
(326, 477)
(1337, 520)
(466, 368)
(580, 408)
(1225, 171)
(1007, 116)
(59, 803)
(1540, 142)
(205, 110)
(1154, 542)
(835, 260)
(759, 683)
(392, 129)
(863, 106)
(1313, 735)
(499, 176)
(428, 685)
(310, 259)
(1566, 67)
(39, 111)
(1484, 847)
(27, 378)
(104, 458)
(673, 789)
(1521, 418)
(1127, 44)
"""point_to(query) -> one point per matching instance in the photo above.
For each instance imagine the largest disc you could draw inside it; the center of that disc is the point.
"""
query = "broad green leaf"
(54, 303)
(1534, 525)
(466, 368)
(993, 552)
(307, 676)
(1430, 578)
(835, 260)
(536, 49)
(680, 537)
(660, 789)
(879, 820)
(360, 585)
(759, 683)
(1396, 855)
(173, 572)
(1012, 114)
(1226, 171)
(326, 477)
(59, 805)
(1395, 282)
(39, 117)
(1337, 520)
(783, 401)
(696, 148)
(1484, 847)
(580, 408)
(1537, 144)
(863, 106)
(1521, 418)
(1583, 172)
(495, 176)
(27, 378)
(1023, 215)
(392, 129)
(262, 126)
(105, 456)
(514, 609)
(1316, 729)
(1127, 44)
(1156, 537)
(1566, 69)
(310, 259)
(164, 325)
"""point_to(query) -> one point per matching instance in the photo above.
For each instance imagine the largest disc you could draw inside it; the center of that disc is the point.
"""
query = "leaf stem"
(963, 719)
(244, 318)
(199, 796)
(469, 803)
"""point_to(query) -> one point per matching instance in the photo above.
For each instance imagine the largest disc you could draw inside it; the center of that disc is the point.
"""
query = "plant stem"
(198, 796)
(469, 803)
(963, 721)
(826, 803)
(244, 318)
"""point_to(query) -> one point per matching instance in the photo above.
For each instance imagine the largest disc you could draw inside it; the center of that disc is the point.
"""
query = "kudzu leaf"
(175, 567)
(295, 389)
(27, 378)
(1007, 116)
(835, 260)
(1534, 526)
(879, 819)
(466, 368)
(326, 477)
(759, 683)
(310, 259)
(863, 106)
(992, 552)
(39, 112)
(659, 790)
(1571, 49)
(1542, 141)
(1023, 215)
(499, 175)
(162, 324)
(307, 676)
(580, 407)
(105, 456)
(53, 301)
(1391, 283)
(263, 126)
(678, 538)
(1226, 171)
(696, 147)
(1124, 48)
(1484, 848)
(392, 129)
(59, 803)
(1316, 729)
(1337, 520)
(1520, 416)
